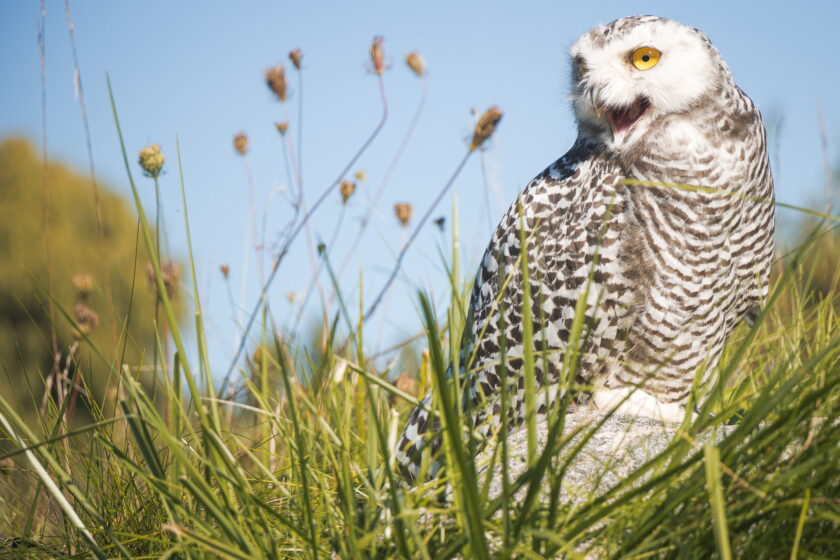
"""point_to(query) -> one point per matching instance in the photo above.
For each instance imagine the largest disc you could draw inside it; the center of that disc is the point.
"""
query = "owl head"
(629, 74)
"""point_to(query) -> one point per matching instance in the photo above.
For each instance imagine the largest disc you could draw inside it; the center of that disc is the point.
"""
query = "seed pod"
(275, 78)
(83, 284)
(485, 127)
(282, 127)
(440, 222)
(347, 188)
(171, 275)
(360, 175)
(377, 56)
(403, 211)
(407, 384)
(86, 318)
(295, 56)
(240, 143)
(225, 270)
(416, 63)
(151, 160)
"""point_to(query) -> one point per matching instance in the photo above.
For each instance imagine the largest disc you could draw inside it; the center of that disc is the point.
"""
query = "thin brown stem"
(378, 299)
(315, 279)
(314, 264)
(157, 295)
(829, 180)
(250, 238)
(103, 251)
(393, 165)
(42, 49)
(284, 250)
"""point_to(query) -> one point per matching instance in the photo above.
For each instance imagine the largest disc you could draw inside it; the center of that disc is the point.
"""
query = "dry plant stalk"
(485, 127)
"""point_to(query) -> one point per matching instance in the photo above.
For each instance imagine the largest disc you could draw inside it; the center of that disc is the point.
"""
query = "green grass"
(302, 466)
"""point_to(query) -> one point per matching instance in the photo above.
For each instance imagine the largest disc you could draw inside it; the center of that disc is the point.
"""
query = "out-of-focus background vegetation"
(30, 289)
(121, 406)
(200, 74)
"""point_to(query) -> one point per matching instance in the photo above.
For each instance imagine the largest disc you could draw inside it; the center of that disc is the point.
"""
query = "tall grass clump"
(298, 459)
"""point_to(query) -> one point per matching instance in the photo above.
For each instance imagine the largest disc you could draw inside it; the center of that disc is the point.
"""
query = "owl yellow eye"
(645, 58)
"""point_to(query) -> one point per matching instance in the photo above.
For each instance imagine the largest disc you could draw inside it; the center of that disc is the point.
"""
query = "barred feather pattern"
(668, 237)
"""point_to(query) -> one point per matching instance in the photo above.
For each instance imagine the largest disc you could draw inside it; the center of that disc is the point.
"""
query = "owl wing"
(572, 215)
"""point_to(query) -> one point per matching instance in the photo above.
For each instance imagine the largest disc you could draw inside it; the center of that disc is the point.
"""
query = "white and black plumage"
(673, 269)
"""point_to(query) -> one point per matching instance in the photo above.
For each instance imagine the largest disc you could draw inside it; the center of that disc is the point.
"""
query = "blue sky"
(196, 69)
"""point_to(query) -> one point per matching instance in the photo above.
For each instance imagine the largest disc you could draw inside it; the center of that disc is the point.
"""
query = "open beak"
(622, 119)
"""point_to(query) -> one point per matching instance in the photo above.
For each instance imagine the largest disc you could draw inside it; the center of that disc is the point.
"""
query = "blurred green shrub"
(99, 279)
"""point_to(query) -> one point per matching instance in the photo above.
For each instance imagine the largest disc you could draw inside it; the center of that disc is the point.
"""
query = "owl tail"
(415, 438)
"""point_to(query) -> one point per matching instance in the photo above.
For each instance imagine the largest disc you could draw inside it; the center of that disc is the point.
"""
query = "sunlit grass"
(301, 464)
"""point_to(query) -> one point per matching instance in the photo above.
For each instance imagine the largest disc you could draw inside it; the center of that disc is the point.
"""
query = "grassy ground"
(300, 463)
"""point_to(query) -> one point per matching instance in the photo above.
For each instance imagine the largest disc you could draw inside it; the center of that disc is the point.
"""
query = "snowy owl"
(659, 220)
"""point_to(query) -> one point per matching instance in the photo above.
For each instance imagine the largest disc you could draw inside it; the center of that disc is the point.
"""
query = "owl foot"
(639, 403)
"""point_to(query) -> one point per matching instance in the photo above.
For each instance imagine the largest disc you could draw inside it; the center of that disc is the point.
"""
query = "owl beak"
(622, 119)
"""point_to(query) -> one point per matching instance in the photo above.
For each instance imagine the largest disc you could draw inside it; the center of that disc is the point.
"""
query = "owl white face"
(629, 73)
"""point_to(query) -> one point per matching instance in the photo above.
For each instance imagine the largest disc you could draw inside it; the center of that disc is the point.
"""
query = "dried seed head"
(282, 127)
(440, 222)
(485, 127)
(360, 175)
(225, 270)
(83, 284)
(240, 143)
(416, 63)
(295, 56)
(86, 318)
(275, 77)
(407, 384)
(171, 275)
(292, 297)
(347, 188)
(151, 160)
(260, 353)
(377, 57)
(322, 248)
(403, 211)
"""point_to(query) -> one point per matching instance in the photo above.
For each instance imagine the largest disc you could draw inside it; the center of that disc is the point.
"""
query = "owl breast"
(697, 243)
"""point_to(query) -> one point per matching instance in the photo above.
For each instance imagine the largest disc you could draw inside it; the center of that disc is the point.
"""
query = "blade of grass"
(716, 500)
